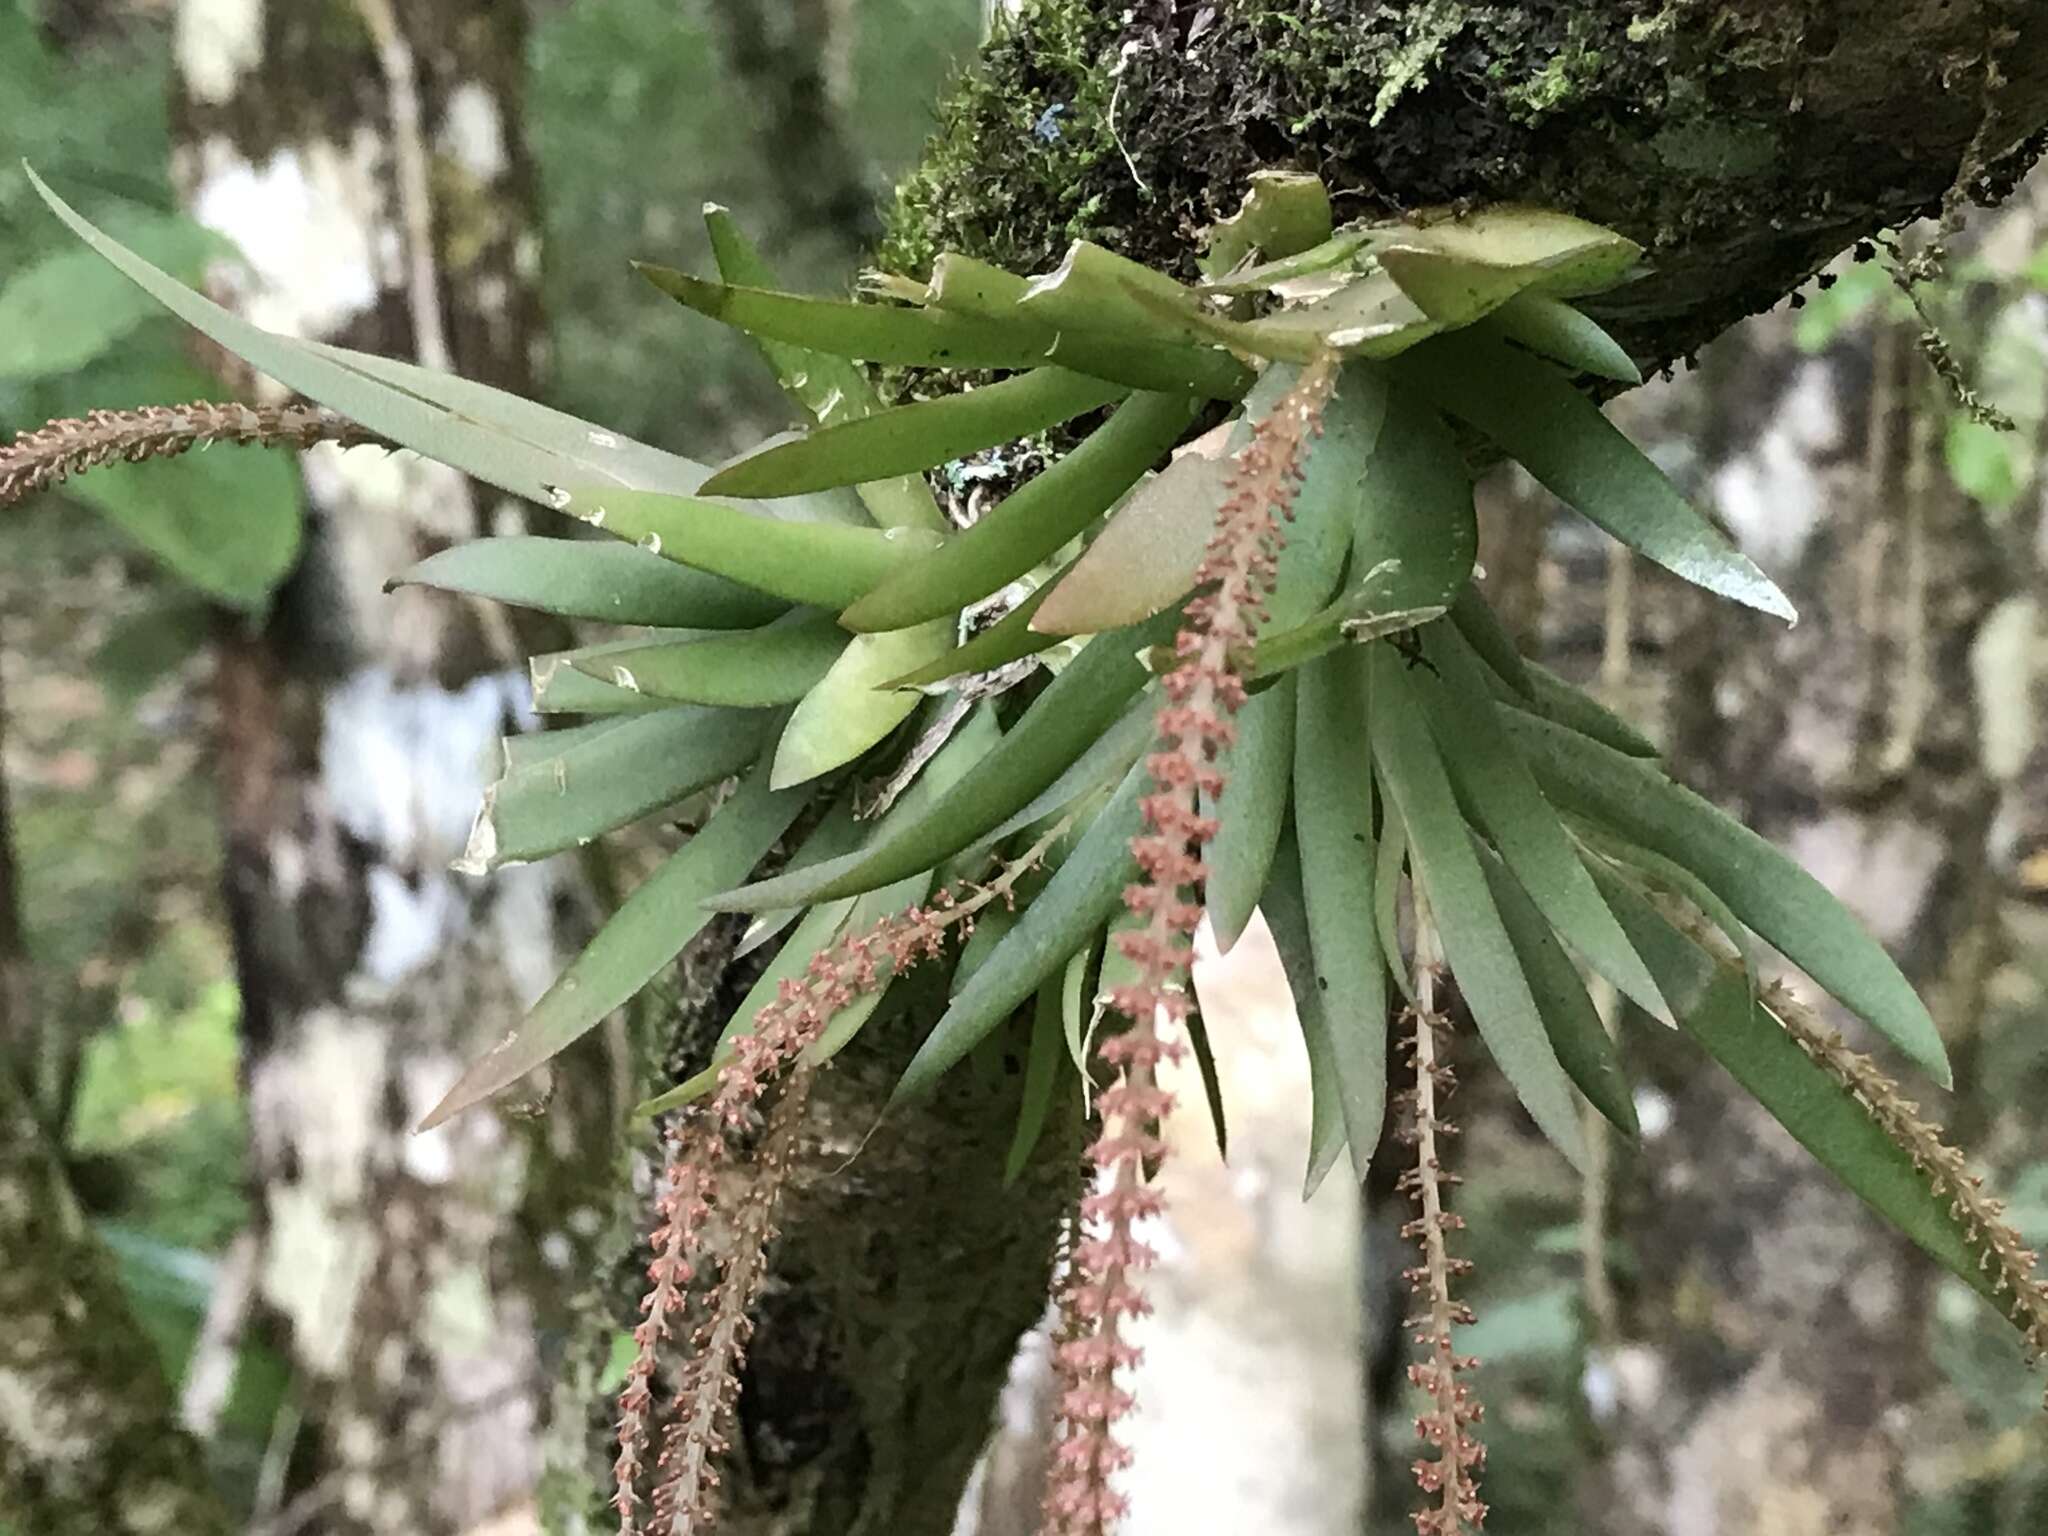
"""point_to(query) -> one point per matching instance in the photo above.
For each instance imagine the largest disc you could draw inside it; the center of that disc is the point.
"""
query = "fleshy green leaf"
(1075, 1011)
(1584, 1048)
(1386, 897)
(1074, 905)
(559, 688)
(1041, 1077)
(1553, 329)
(1497, 786)
(1250, 811)
(1564, 256)
(826, 564)
(831, 389)
(1077, 708)
(1556, 700)
(1716, 1007)
(750, 669)
(1284, 214)
(649, 930)
(1531, 410)
(968, 285)
(936, 338)
(919, 436)
(1766, 890)
(1481, 958)
(1034, 521)
(1092, 291)
(1333, 820)
(1490, 640)
(608, 581)
(852, 706)
(593, 784)
(1330, 1091)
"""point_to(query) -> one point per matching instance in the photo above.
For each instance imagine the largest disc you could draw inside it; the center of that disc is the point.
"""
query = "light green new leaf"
(1283, 214)
(831, 389)
(1481, 958)
(749, 669)
(1080, 705)
(852, 706)
(1335, 1099)
(1532, 411)
(1501, 794)
(1333, 820)
(826, 564)
(1577, 1033)
(1077, 1011)
(937, 338)
(1034, 521)
(1717, 1008)
(1041, 1077)
(611, 582)
(596, 783)
(1554, 329)
(1765, 889)
(648, 931)
(1074, 905)
(1258, 766)
(559, 688)
(919, 436)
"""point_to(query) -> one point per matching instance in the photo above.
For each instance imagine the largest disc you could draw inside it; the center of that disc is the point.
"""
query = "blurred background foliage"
(637, 116)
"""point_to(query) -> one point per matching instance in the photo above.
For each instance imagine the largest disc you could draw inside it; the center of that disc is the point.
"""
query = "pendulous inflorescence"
(1194, 730)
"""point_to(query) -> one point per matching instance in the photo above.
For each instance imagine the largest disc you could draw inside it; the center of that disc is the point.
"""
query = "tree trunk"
(367, 161)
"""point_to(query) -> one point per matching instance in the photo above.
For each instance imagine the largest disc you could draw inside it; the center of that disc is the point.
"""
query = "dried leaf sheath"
(57, 450)
(1202, 692)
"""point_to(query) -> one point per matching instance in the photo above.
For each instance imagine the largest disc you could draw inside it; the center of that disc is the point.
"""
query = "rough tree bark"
(366, 159)
(1744, 143)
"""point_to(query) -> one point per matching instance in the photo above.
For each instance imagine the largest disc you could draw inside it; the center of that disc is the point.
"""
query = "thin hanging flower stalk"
(2001, 1252)
(57, 450)
(703, 1141)
(1451, 1476)
(1202, 692)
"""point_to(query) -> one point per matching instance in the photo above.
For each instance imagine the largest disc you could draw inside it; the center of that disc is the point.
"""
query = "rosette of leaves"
(815, 625)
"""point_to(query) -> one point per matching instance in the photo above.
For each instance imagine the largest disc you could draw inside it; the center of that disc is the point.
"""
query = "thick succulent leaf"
(1076, 902)
(1767, 890)
(937, 338)
(1250, 811)
(1563, 256)
(827, 564)
(1490, 641)
(968, 285)
(1388, 866)
(559, 688)
(1034, 521)
(1284, 214)
(1451, 291)
(1554, 329)
(1481, 958)
(1335, 254)
(1717, 1008)
(647, 932)
(1550, 697)
(607, 581)
(1532, 411)
(1010, 638)
(1333, 820)
(593, 784)
(530, 747)
(1093, 290)
(1577, 1033)
(1146, 558)
(831, 389)
(1414, 537)
(1368, 317)
(922, 435)
(852, 707)
(1041, 1078)
(750, 669)
(1335, 1099)
(1504, 801)
(1602, 842)
(1091, 692)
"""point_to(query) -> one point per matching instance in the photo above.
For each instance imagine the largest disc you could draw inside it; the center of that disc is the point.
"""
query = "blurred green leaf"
(69, 307)
(1983, 462)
